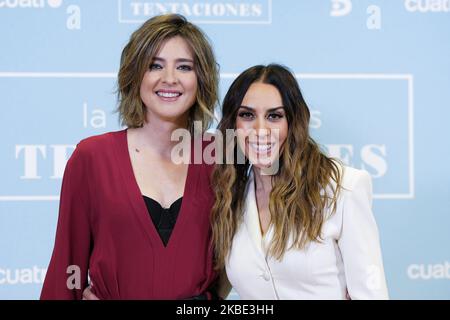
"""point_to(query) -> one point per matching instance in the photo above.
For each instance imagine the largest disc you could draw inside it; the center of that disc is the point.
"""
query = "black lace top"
(163, 218)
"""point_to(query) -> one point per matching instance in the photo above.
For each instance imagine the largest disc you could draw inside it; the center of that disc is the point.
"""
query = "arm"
(359, 243)
(67, 273)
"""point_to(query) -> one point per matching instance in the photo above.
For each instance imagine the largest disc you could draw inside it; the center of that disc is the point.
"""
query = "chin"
(173, 116)
(262, 163)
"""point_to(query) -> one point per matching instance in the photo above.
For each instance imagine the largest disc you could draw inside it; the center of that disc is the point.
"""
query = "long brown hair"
(297, 201)
(138, 55)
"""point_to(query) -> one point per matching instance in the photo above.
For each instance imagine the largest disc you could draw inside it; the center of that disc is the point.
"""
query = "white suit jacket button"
(265, 276)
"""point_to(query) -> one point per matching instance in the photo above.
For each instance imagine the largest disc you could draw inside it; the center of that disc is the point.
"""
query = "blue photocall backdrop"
(375, 73)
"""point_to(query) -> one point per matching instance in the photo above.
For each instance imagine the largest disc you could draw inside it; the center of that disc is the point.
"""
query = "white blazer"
(348, 259)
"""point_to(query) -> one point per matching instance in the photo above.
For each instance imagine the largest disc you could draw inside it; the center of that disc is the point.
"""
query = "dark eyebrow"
(270, 110)
(177, 60)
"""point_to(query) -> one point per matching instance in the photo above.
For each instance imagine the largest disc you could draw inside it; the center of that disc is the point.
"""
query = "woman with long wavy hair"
(288, 221)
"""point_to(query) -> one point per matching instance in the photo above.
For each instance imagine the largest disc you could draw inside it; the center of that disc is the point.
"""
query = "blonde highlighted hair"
(138, 55)
(297, 201)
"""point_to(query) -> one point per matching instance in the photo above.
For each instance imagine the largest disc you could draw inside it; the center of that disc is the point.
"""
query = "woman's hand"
(88, 295)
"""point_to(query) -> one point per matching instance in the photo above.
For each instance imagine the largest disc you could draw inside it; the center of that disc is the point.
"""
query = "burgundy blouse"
(105, 229)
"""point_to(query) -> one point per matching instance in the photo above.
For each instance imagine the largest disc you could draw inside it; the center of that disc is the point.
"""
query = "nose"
(262, 130)
(260, 124)
(169, 76)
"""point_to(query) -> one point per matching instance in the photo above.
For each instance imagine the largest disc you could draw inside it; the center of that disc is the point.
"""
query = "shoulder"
(354, 178)
(350, 178)
(99, 143)
(354, 200)
(356, 186)
(96, 147)
(353, 183)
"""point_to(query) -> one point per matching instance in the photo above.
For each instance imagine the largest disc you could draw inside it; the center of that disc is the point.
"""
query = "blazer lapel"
(251, 215)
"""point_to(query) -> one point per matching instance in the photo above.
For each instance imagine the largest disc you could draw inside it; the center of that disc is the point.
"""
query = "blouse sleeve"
(359, 243)
(66, 275)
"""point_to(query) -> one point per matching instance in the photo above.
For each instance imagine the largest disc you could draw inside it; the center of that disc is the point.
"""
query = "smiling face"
(169, 87)
(261, 124)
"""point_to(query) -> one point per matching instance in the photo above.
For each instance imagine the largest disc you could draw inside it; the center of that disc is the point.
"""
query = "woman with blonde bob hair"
(131, 218)
(304, 230)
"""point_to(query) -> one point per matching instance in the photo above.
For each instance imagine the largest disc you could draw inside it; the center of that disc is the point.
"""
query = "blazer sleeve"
(67, 273)
(359, 242)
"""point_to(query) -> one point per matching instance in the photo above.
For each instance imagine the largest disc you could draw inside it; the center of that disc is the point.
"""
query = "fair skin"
(168, 91)
(262, 130)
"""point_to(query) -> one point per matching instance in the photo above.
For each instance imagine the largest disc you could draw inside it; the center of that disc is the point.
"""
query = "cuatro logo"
(429, 271)
(30, 4)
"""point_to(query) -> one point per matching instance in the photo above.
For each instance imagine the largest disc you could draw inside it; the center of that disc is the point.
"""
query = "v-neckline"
(138, 202)
(251, 218)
